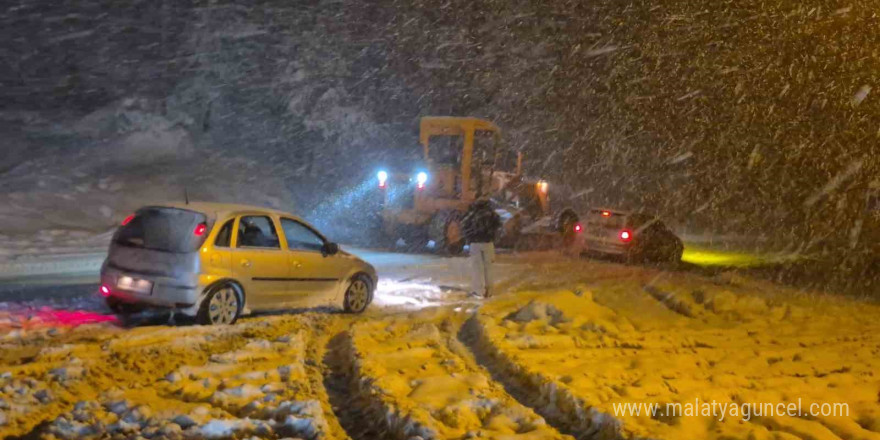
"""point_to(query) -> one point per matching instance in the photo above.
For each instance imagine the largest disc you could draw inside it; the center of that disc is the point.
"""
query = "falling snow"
(749, 127)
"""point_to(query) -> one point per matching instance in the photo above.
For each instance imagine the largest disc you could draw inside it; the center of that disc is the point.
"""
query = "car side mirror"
(330, 248)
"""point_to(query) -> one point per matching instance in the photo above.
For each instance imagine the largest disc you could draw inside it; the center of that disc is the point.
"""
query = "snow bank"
(675, 341)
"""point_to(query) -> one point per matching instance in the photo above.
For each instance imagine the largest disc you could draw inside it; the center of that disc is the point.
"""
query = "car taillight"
(578, 228)
(105, 291)
(127, 220)
(625, 236)
(606, 213)
(200, 229)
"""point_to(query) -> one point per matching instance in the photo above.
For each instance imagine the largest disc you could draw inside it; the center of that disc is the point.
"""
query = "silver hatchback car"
(218, 261)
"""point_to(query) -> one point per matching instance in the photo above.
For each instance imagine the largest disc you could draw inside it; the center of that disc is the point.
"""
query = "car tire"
(358, 294)
(221, 306)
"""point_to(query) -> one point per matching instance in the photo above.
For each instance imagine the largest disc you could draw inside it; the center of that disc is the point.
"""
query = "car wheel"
(221, 306)
(358, 295)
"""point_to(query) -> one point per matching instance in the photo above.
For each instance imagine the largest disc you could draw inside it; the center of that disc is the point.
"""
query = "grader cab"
(463, 160)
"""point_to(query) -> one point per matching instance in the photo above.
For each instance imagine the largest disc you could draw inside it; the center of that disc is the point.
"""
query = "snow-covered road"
(47, 291)
(549, 358)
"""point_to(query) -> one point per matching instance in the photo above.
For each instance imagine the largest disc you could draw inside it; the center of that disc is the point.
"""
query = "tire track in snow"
(351, 409)
(518, 394)
(670, 301)
(543, 399)
(323, 326)
(423, 382)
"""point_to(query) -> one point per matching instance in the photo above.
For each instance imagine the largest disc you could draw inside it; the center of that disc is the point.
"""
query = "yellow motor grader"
(463, 161)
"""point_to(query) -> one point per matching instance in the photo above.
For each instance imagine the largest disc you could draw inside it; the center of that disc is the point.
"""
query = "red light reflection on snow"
(73, 317)
(47, 317)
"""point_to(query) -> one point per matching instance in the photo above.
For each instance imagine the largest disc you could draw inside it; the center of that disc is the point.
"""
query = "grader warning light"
(543, 186)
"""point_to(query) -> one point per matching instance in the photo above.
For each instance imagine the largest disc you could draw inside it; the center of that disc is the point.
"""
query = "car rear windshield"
(163, 229)
(606, 219)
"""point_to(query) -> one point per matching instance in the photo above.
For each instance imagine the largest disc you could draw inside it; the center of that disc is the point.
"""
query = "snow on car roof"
(224, 209)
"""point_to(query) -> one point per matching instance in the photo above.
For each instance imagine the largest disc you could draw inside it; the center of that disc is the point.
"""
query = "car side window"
(257, 231)
(224, 237)
(300, 237)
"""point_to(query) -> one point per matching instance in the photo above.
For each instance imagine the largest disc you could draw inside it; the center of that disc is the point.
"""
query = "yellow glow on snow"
(706, 257)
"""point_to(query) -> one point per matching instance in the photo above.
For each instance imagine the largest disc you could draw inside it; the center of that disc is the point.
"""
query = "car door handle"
(296, 264)
(245, 263)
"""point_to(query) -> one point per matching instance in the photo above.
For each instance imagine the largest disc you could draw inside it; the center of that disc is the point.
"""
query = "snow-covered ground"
(563, 342)
(591, 351)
